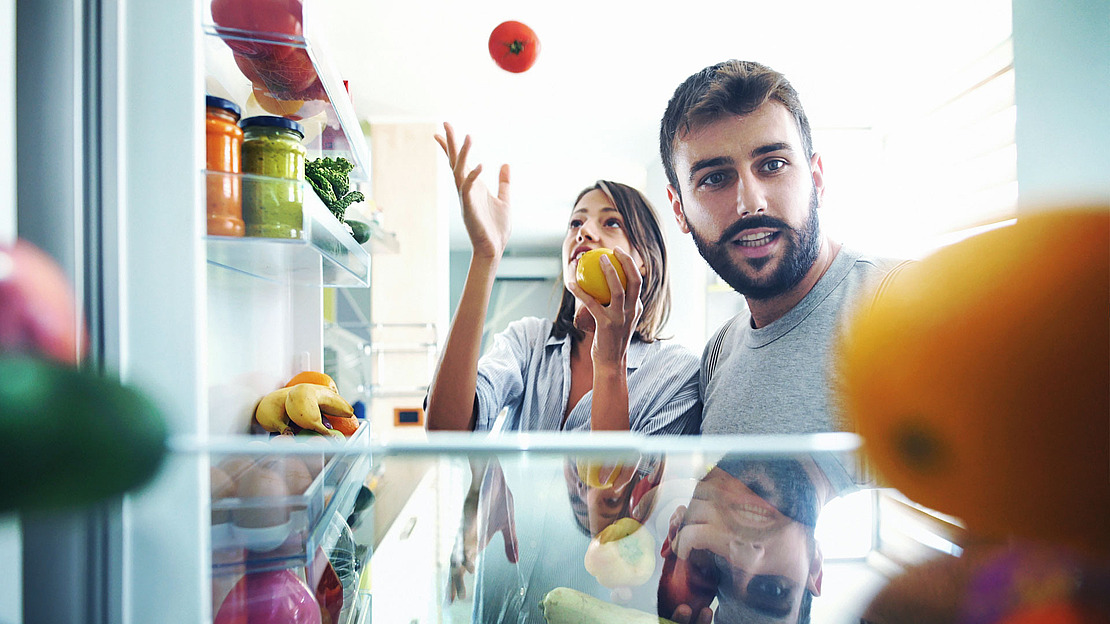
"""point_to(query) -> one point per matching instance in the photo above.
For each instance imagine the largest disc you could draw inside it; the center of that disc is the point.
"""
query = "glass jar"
(224, 141)
(273, 196)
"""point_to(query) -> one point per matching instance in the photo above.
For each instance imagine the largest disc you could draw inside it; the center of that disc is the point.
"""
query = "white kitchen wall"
(1062, 68)
(410, 286)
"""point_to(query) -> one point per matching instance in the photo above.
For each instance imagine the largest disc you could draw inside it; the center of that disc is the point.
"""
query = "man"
(747, 539)
(745, 182)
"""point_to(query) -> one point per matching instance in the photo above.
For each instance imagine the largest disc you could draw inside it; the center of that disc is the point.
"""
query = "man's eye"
(714, 179)
(773, 165)
(770, 594)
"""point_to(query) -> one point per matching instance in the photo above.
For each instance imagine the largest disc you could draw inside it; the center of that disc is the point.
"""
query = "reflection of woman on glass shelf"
(596, 367)
(546, 536)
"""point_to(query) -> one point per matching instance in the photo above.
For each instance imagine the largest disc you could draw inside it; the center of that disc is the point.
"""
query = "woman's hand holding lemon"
(612, 298)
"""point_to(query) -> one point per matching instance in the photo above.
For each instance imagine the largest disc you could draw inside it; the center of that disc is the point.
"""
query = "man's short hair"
(729, 88)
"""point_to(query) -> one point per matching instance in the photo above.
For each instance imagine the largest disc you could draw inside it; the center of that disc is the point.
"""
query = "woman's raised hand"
(487, 217)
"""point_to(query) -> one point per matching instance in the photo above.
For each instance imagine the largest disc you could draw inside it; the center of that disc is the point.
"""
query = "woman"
(596, 367)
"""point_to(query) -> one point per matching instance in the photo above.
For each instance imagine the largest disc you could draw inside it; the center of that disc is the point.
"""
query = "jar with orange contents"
(224, 153)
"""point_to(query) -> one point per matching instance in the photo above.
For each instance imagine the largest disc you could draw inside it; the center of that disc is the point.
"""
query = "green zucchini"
(564, 605)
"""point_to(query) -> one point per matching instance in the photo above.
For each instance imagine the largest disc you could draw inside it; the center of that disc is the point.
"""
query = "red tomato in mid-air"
(514, 46)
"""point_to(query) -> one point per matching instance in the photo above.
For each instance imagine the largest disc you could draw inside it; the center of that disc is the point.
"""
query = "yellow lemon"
(590, 474)
(590, 277)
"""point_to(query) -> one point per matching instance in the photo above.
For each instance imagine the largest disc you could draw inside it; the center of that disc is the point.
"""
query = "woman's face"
(595, 222)
(596, 508)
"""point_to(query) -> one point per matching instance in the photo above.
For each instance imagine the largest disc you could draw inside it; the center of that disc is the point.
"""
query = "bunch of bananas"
(309, 402)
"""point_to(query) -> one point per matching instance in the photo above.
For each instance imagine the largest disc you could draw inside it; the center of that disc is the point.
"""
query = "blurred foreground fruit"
(980, 379)
(74, 438)
(38, 313)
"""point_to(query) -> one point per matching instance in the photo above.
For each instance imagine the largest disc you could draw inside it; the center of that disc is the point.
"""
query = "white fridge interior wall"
(259, 335)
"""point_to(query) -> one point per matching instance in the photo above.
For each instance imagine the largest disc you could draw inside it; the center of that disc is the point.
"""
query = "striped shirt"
(528, 371)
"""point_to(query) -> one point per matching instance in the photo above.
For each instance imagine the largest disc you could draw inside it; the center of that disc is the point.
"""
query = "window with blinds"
(962, 154)
(942, 167)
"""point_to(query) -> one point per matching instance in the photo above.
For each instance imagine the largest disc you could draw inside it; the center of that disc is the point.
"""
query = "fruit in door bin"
(274, 106)
(314, 377)
(281, 19)
(622, 555)
(37, 307)
(273, 596)
(329, 591)
(72, 438)
(306, 403)
(977, 379)
(286, 78)
(346, 426)
(514, 46)
(590, 277)
(270, 412)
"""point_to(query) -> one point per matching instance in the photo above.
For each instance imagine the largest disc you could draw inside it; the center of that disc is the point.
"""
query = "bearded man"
(746, 184)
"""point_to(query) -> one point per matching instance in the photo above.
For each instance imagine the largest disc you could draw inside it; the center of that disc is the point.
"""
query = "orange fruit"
(313, 377)
(346, 426)
(978, 379)
(274, 106)
(590, 277)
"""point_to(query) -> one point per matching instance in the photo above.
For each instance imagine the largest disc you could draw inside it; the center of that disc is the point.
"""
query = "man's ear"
(676, 205)
(816, 570)
(817, 170)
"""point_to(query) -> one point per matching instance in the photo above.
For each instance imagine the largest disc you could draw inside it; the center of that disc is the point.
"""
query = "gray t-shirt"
(776, 379)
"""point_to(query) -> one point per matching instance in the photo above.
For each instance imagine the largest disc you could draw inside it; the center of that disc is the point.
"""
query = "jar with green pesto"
(272, 205)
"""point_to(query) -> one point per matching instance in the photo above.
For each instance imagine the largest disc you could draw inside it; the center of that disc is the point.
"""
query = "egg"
(262, 491)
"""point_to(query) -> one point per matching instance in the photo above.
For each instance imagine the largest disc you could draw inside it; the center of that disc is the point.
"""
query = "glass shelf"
(564, 502)
(287, 73)
(323, 252)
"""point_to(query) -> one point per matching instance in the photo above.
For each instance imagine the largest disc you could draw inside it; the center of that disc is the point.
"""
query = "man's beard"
(800, 250)
(783, 483)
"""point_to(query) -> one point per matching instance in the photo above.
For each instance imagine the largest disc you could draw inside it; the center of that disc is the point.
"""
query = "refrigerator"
(111, 105)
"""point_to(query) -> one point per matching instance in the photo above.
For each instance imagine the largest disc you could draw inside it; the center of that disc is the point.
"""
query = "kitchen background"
(931, 119)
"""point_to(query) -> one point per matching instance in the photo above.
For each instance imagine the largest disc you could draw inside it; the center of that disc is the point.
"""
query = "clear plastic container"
(224, 144)
(273, 206)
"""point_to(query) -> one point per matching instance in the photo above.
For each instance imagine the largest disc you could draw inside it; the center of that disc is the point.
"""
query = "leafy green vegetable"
(330, 178)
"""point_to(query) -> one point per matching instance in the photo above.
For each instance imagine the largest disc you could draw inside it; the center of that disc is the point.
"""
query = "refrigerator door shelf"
(321, 253)
(299, 524)
(272, 64)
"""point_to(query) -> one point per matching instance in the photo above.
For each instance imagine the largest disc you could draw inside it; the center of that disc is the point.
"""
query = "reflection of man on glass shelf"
(746, 539)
